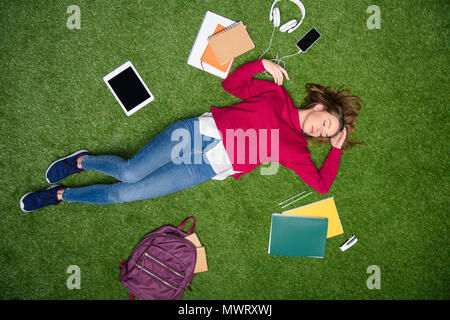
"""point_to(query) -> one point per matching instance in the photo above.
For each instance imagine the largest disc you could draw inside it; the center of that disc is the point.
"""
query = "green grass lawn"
(392, 193)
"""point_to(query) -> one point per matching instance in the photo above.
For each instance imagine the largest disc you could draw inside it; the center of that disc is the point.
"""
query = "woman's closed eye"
(327, 127)
(323, 131)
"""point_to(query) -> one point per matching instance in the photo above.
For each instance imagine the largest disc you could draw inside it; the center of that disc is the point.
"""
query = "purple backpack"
(161, 265)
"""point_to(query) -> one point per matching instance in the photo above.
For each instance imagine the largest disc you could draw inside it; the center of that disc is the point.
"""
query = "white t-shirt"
(217, 156)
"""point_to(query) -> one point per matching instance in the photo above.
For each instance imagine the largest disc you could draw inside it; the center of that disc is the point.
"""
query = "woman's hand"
(275, 70)
(338, 140)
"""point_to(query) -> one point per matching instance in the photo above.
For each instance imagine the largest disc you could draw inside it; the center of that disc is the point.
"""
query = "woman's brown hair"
(341, 103)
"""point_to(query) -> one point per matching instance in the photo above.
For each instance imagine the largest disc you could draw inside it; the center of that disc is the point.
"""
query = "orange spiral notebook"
(210, 58)
(230, 42)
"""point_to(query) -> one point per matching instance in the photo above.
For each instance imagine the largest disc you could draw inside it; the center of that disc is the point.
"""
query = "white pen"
(291, 198)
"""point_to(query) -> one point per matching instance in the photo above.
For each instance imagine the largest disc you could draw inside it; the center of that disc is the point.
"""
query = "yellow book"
(200, 264)
(194, 239)
(321, 209)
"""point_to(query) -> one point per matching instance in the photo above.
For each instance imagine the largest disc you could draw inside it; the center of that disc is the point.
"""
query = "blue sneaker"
(35, 200)
(64, 167)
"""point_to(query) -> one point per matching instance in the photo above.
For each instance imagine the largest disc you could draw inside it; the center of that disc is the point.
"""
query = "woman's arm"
(241, 84)
(321, 180)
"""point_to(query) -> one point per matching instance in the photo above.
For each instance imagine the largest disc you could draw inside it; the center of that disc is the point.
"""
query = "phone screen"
(308, 40)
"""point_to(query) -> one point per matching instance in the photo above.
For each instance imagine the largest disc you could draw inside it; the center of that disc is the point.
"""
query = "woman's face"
(320, 123)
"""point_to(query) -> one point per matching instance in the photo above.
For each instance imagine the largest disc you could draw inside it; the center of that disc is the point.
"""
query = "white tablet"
(128, 88)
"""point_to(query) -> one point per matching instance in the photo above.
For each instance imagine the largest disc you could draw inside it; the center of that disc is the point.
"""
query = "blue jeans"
(154, 171)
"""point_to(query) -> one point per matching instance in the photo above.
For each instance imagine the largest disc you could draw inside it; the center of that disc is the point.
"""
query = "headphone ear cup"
(276, 17)
(288, 25)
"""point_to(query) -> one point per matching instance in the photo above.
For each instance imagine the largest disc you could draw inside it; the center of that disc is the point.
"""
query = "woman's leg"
(154, 155)
(168, 179)
(186, 167)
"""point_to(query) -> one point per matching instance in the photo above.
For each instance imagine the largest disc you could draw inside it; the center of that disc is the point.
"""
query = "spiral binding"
(224, 30)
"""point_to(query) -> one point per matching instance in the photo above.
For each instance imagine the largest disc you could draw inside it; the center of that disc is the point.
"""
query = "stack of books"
(303, 232)
(218, 42)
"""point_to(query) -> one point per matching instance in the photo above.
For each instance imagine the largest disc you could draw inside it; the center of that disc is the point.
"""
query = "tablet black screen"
(129, 89)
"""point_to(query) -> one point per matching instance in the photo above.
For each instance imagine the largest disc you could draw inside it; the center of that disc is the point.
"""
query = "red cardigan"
(269, 106)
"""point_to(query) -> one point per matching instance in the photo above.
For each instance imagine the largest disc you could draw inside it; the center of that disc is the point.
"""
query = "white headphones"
(291, 25)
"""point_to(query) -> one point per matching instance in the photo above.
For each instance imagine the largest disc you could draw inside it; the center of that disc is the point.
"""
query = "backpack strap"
(122, 263)
(183, 223)
(190, 282)
(120, 267)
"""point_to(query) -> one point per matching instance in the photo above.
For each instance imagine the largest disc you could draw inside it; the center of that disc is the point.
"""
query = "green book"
(298, 236)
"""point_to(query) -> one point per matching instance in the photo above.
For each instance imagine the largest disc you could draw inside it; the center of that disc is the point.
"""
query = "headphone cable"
(270, 43)
(277, 60)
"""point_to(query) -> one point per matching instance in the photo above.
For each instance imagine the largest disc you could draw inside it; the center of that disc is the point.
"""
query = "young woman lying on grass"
(276, 129)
